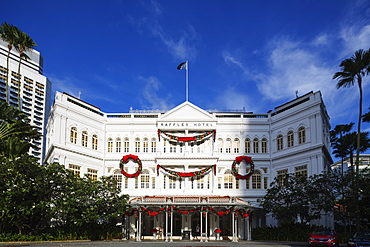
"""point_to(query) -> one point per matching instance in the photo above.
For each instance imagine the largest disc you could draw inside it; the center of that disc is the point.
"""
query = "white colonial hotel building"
(185, 156)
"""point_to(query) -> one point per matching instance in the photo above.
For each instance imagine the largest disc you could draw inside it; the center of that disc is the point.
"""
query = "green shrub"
(286, 232)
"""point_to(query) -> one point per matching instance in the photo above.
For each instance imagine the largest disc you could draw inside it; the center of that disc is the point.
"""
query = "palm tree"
(8, 33)
(353, 70)
(346, 145)
(16, 134)
(24, 44)
(335, 137)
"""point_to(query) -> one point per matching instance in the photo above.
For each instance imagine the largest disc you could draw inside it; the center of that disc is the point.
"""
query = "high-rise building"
(30, 87)
(206, 169)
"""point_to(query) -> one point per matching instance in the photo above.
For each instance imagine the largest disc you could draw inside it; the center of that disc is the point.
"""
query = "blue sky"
(242, 53)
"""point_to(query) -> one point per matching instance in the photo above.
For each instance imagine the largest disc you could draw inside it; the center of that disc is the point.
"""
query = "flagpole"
(187, 81)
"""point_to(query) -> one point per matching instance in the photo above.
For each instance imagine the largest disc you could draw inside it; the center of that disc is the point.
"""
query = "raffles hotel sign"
(186, 125)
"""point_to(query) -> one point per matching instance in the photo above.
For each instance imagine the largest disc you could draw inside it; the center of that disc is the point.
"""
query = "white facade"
(35, 90)
(294, 138)
(364, 163)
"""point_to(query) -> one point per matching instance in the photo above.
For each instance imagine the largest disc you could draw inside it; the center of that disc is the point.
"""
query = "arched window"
(228, 145)
(118, 145)
(137, 145)
(301, 135)
(264, 145)
(279, 142)
(126, 145)
(74, 135)
(84, 139)
(200, 182)
(255, 146)
(247, 182)
(164, 146)
(220, 143)
(172, 182)
(236, 145)
(95, 142)
(247, 145)
(154, 145)
(110, 145)
(92, 174)
(125, 179)
(144, 179)
(146, 145)
(290, 139)
(228, 180)
(172, 147)
(117, 175)
(257, 180)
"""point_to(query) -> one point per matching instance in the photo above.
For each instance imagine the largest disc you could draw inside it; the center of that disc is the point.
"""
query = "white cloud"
(179, 49)
(65, 84)
(296, 66)
(233, 99)
(322, 39)
(355, 39)
(293, 67)
(152, 7)
(229, 59)
(151, 98)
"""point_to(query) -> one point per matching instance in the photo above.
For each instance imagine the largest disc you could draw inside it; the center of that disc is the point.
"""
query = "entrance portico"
(188, 217)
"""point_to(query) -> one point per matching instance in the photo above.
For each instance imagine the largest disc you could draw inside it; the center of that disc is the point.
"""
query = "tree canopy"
(35, 198)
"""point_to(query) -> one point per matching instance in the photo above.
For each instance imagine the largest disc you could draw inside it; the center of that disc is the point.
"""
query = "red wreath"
(237, 161)
(125, 160)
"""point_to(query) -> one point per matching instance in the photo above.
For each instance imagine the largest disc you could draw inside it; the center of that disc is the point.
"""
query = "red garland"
(187, 174)
(220, 213)
(124, 161)
(133, 211)
(152, 213)
(242, 212)
(186, 139)
(237, 161)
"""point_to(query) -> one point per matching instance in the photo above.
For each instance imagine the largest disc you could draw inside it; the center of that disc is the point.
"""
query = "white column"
(248, 229)
(138, 229)
(171, 225)
(233, 228)
(201, 225)
(206, 231)
(166, 235)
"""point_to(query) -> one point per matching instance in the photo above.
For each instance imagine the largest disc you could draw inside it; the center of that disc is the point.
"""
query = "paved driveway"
(117, 243)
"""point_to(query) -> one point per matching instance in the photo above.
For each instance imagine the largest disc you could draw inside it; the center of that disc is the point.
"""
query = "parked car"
(326, 237)
(359, 239)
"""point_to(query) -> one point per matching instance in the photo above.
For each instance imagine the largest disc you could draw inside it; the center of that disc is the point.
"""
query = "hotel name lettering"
(186, 125)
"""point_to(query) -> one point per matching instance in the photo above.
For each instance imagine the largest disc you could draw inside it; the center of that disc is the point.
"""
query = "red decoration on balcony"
(237, 161)
(196, 138)
(125, 159)
(187, 174)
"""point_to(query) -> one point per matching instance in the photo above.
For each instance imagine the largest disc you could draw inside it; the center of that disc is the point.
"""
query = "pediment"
(187, 111)
(187, 116)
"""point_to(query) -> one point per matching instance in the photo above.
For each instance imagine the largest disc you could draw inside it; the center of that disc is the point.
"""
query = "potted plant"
(218, 232)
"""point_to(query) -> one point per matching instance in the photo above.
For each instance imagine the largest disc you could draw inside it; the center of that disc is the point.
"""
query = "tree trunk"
(358, 154)
(19, 81)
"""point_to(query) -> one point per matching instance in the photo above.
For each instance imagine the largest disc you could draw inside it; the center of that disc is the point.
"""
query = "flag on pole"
(183, 65)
